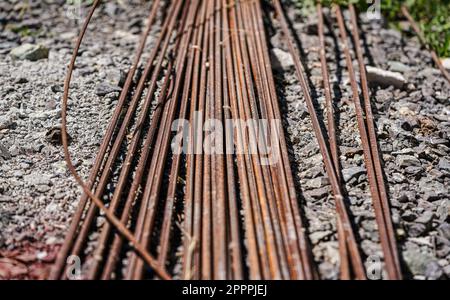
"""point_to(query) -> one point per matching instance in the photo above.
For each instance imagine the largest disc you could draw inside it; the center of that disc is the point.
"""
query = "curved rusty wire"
(71, 242)
(140, 249)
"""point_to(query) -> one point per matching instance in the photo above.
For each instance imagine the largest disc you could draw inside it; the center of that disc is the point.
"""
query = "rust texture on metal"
(181, 202)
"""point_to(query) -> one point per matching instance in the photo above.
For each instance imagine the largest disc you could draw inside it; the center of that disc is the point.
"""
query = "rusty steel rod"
(234, 243)
(220, 248)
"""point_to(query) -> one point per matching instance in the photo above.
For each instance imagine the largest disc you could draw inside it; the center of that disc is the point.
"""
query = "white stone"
(284, 59)
(446, 62)
(385, 78)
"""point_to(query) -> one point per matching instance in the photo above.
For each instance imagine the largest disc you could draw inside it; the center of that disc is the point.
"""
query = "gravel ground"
(37, 194)
(38, 197)
(413, 132)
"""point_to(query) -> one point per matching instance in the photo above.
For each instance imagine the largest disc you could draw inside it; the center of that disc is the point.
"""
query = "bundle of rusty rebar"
(203, 202)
